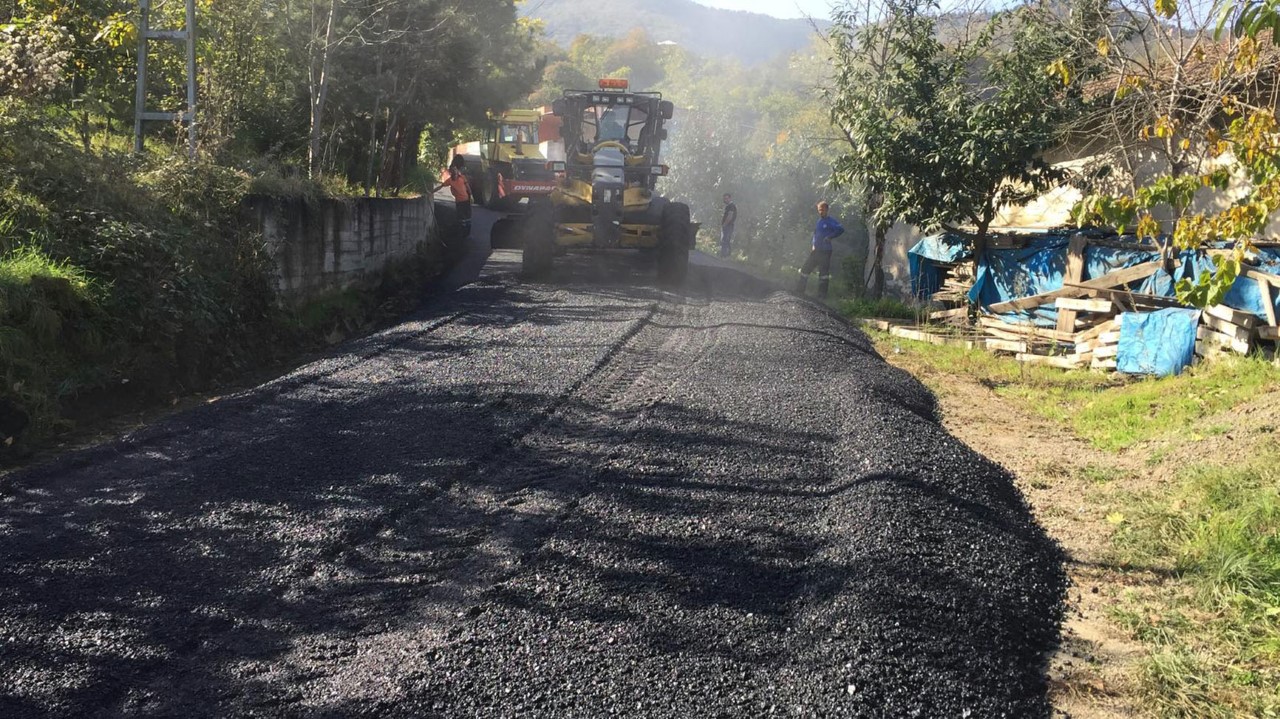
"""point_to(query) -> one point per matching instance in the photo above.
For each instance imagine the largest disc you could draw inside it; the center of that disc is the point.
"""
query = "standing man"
(457, 181)
(820, 256)
(726, 224)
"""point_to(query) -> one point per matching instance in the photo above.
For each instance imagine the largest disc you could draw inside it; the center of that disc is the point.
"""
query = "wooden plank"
(1105, 351)
(1234, 316)
(1099, 363)
(957, 312)
(1004, 335)
(1210, 336)
(1026, 329)
(1074, 273)
(1098, 330)
(1006, 345)
(879, 324)
(1269, 333)
(1059, 361)
(1107, 281)
(1109, 338)
(1229, 329)
(1268, 303)
(1209, 351)
(1261, 276)
(1083, 304)
(1127, 298)
(919, 335)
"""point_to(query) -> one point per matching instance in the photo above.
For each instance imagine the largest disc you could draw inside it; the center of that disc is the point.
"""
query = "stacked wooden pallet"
(956, 283)
(1087, 331)
(1224, 331)
(1086, 312)
(1083, 347)
(953, 296)
(1102, 350)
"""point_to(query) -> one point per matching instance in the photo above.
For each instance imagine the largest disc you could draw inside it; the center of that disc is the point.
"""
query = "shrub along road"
(583, 498)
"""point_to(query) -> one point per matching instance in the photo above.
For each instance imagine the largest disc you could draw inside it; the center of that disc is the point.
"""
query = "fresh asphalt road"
(586, 497)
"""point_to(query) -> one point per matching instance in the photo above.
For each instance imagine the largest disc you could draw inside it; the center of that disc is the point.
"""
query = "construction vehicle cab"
(507, 165)
(605, 191)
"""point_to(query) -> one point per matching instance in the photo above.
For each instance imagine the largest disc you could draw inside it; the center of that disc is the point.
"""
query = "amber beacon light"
(613, 83)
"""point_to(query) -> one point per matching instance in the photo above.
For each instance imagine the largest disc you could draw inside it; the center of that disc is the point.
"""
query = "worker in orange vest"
(456, 180)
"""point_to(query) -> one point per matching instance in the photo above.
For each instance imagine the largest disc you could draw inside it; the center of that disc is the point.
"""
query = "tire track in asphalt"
(511, 530)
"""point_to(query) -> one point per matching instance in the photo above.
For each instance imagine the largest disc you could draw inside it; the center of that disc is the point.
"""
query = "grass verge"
(1111, 411)
(1214, 632)
(884, 308)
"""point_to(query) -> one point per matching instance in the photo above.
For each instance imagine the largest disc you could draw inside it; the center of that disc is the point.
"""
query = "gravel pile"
(583, 499)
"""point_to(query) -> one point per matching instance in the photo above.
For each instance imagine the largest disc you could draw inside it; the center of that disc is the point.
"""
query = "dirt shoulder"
(1079, 493)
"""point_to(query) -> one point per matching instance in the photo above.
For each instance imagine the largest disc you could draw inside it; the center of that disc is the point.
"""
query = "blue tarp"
(1161, 343)
(1039, 266)
(923, 259)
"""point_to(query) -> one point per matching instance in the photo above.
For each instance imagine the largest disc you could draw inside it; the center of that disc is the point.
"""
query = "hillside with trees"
(709, 32)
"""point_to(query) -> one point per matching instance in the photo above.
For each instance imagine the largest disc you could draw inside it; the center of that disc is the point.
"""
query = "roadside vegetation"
(1183, 488)
(1165, 492)
(1214, 632)
(128, 278)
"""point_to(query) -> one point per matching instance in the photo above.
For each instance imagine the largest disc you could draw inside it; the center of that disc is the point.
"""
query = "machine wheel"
(673, 245)
(505, 234)
(538, 230)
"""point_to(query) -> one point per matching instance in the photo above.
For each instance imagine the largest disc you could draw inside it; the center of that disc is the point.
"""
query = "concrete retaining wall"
(321, 246)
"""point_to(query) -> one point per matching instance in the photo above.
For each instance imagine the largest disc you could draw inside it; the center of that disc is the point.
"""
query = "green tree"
(383, 71)
(945, 126)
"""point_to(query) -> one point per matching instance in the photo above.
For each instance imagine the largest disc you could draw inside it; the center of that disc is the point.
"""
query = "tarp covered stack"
(1074, 299)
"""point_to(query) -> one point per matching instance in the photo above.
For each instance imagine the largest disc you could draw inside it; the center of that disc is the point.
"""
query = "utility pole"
(145, 35)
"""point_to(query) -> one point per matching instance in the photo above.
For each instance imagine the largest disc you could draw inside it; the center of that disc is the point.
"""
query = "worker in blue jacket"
(820, 256)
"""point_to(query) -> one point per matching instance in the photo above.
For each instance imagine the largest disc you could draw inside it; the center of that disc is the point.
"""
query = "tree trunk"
(86, 131)
(373, 121)
(389, 165)
(875, 289)
(980, 243)
(371, 160)
(320, 94)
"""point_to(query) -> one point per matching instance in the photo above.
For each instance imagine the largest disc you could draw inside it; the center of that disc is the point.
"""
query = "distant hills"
(749, 37)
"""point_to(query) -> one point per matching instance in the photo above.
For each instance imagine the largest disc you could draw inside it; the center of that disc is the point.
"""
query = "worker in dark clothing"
(456, 180)
(726, 224)
(820, 256)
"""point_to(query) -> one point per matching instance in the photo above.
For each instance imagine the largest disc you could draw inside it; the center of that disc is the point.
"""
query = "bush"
(886, 307)
(51, 332)
(140, 267)
(134, 278)
(275, 180)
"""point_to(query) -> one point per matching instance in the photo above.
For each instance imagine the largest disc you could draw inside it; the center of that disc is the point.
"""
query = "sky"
(776, 8)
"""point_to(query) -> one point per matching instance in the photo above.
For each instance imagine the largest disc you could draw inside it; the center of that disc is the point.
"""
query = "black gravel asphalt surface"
(583, 498)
